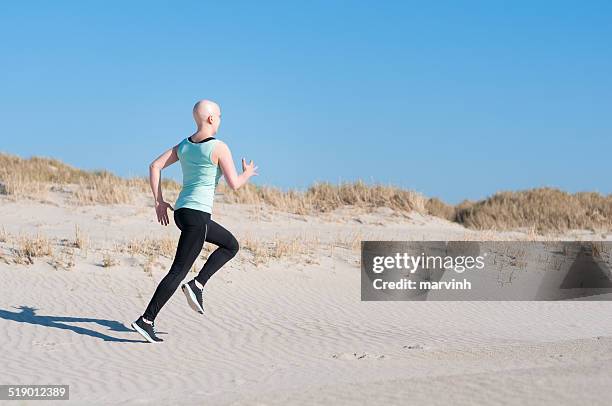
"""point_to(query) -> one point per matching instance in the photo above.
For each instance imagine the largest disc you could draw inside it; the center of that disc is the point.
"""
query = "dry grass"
(4, 259)
(540, 210)
(293, 247)
(81, 241)
(141, 184)
(16, 185)
(290, 201)
(149, 247)
(325, 197)
(543, 209)
(105, 188)
(65, 259)
(438, 208)
(257, 248)
(108, 260)
(28, 248)
(351, 241)
(297, 248)
(263, 251)
(33, 177)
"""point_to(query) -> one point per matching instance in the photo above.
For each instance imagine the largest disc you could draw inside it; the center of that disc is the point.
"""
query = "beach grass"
(542, 209)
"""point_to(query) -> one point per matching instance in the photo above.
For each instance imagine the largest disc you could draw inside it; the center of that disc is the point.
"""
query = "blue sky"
(452, 99)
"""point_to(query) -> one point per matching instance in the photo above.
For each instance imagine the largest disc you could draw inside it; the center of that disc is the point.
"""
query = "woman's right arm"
(226, 162)
(166, 159)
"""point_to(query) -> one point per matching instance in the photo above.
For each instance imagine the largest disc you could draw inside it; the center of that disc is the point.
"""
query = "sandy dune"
(292, 331)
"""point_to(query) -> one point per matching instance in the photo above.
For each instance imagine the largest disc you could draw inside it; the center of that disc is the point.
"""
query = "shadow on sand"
(28, 315)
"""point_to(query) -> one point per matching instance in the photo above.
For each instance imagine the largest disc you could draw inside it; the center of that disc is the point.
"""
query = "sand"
(290, 331)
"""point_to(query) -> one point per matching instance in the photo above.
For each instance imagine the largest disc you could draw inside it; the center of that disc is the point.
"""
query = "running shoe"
(194, 296)
(146, 330)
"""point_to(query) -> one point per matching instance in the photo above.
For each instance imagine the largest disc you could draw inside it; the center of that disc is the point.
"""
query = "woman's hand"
(249, 169)
(161, 208)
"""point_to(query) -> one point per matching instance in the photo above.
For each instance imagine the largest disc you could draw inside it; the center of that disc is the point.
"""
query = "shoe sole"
(143, 333)
(191, 299)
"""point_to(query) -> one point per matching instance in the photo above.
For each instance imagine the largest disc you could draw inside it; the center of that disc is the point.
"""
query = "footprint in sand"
(356, 356)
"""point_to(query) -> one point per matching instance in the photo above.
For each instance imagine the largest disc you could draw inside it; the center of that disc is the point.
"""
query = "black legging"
(196, 227)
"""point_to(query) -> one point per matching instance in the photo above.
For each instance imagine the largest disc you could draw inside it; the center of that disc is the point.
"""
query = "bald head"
(206, 113)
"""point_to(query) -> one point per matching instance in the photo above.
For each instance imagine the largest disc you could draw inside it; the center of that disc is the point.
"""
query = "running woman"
(203, 160)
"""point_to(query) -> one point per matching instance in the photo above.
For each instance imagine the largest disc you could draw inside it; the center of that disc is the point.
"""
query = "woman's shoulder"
(220, 143)
(181, 143)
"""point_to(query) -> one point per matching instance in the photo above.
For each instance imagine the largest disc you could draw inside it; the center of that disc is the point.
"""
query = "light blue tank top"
(200, 174)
